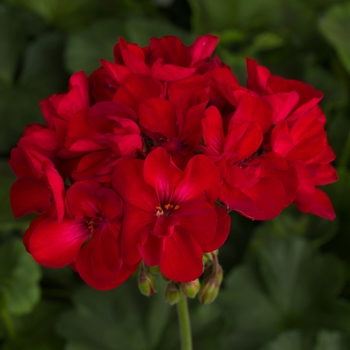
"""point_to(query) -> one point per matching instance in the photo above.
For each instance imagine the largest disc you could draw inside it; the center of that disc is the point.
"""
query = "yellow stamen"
(177, 207)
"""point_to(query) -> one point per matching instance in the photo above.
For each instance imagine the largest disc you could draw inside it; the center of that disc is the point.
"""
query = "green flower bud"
(172, 293)
(190, 289)
(147, 282)
(209, 291)
(210, 285)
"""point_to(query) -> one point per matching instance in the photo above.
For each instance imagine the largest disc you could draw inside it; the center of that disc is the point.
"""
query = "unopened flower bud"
(209, 291)
(172, 293)
(210, 285)
(190, 289)
(147, 282)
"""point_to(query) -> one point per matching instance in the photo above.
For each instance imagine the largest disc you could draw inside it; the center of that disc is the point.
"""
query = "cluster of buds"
(206, 287)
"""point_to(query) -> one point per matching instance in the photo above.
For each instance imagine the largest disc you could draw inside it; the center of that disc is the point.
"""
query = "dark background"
(286, 283)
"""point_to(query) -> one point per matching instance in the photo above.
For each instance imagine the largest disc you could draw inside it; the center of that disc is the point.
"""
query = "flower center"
(93, 223)
(166, 210)
(244, 162)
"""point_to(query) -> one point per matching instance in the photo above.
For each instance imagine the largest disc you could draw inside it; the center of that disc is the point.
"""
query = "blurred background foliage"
(287, 281)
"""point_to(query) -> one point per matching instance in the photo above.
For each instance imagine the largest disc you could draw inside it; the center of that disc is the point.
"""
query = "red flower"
(170, 219)
(303, 143)
(38, 185)
(257, 186)
(175, 124)
(88, 236)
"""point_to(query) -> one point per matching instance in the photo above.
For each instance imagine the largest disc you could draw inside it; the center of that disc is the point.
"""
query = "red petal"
(136, 89)
(100, 258)
(243, 140)
(181, 259)
(197, 219)
(203, 47)
(162, 174)
(157, 116)
(222, 230)
(281, 104)
(213, 133)
(201, 181)
(129, 183)
(257, 76)
(253, 109)
(137, 226)
(322, 206)
(151, 250)
(133, 58)
(29, 196)
(55, 244)
(170, 72)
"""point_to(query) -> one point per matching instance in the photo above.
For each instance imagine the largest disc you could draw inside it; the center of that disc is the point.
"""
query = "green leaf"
(141, 31)
(41, 74)
(297, 340)
(292, 340)
(120, 318)
(7, 178)
(65, 14)
(19, 278)
(85, 48)
(36, 331)
(287, 288)
(328, 340)
(335, 27)
(12, 42)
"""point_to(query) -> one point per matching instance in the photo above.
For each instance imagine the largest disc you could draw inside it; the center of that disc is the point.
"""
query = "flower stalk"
(184, 323)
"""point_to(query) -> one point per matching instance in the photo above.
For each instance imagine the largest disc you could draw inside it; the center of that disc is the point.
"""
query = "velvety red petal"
(151, 250)
(157, 116)
(213, 133)
(136, 89)
(103, 252)
(254, 109)
(137, 226)
(262, 201)
(162, 174)
(181, 259)
(257, 76)
(57, 187)
(223, 225)
(110, 203)
(203, 47)
(243, 140)
(170, 72)
(55, 244)
(201, 181)
(306, 189)
(129, 183)
(308, 96)
(118, 72)
(29, 196)
(322, 205)
(132, 59)
(197, 219)
(281, 104)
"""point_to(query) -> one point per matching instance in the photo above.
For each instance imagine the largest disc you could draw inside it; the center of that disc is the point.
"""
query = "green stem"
(8, 323)
(184, 323)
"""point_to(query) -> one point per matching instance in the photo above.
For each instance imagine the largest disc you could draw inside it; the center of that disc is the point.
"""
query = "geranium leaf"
(335, 27)
(120, 318)
(19, 278)
(285, 286)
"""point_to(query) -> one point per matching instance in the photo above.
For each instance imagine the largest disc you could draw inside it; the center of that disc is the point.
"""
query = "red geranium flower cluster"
(143, 159)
